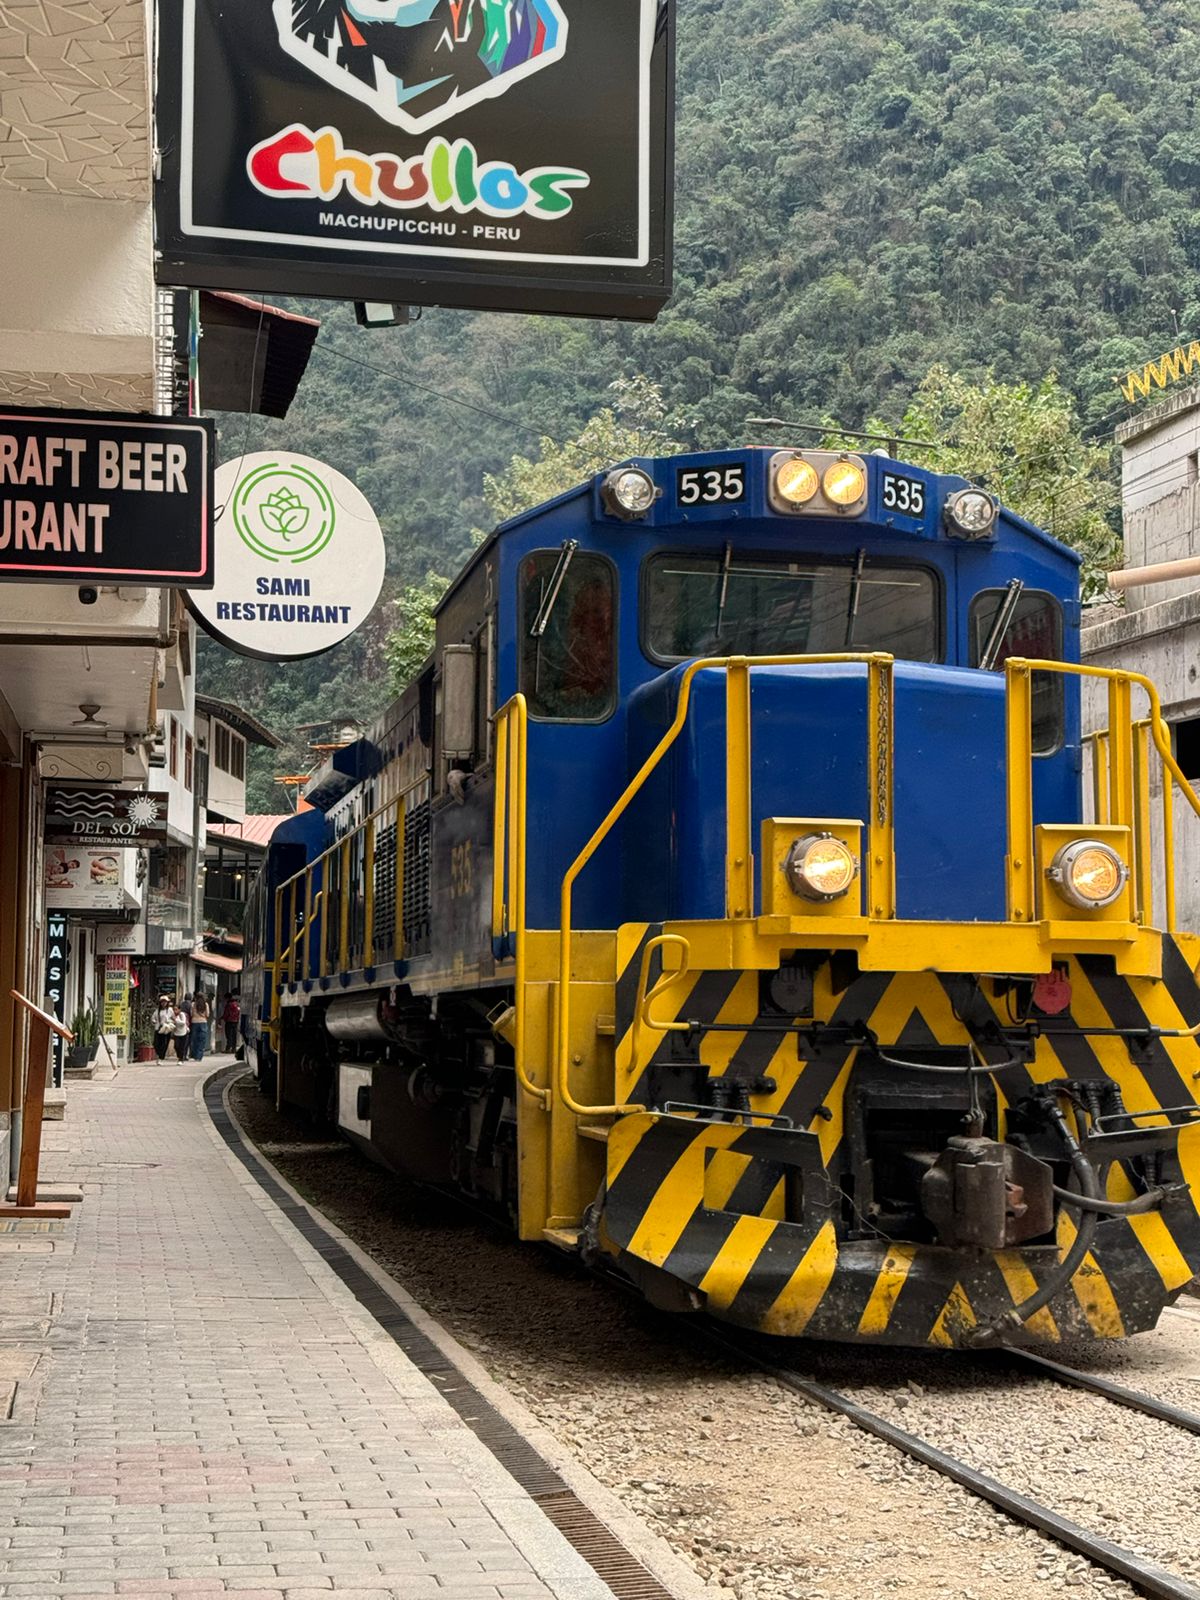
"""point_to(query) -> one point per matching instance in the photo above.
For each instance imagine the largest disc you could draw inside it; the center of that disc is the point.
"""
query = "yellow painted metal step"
(564, 1238)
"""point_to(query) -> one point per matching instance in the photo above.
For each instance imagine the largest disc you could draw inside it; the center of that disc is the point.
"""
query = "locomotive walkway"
(200, 1408)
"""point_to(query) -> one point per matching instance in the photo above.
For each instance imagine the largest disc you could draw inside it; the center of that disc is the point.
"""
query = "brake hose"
(993, 1332)
(1152, 1200)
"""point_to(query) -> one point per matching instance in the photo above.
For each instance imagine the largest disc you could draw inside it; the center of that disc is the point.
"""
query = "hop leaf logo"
(283, 513)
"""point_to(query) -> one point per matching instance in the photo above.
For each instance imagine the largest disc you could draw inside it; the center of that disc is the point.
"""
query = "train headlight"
(796, 481)
(971, 513)
(844, 483)
(1088, 874)
(820, 867)
(628, 492)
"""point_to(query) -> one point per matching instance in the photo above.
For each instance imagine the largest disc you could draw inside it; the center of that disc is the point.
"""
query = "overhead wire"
(409, 382)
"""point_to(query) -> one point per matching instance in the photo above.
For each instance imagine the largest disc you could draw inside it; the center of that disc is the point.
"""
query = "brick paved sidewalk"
(211, 1412)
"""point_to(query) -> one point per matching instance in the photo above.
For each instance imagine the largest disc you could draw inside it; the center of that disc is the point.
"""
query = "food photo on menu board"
(77, 869)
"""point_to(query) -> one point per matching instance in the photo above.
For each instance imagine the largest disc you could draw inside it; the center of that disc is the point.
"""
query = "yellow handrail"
(1117, 741)
(617, 811)
(508, 865)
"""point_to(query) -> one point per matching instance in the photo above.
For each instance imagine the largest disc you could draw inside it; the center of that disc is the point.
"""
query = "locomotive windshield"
(739, 605)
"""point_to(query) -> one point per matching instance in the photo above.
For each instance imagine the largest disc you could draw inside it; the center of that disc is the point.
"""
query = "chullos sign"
(299, 557)
(111, 498)
(508, 154)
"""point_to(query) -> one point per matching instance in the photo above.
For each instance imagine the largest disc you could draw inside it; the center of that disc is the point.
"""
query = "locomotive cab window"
(738, 604)
(1035, 630)
(568, 640)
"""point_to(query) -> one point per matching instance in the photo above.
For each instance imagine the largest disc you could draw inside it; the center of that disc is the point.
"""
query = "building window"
(189, 757)
(174, 748)
(221, 740)
(1187, 747)
(237, 756)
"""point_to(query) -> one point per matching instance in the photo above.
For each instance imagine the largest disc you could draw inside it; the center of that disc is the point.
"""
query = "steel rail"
(1145, 1576)
(1149, 1405)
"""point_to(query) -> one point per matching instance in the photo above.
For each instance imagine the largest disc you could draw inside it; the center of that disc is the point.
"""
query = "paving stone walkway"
(201, 1409)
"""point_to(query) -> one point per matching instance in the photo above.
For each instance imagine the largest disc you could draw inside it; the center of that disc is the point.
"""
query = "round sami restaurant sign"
(298, 557)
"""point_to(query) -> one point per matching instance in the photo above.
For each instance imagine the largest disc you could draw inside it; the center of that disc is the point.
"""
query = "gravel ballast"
(766, 1496)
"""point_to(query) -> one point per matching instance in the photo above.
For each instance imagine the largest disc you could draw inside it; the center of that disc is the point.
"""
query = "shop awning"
(252, 356)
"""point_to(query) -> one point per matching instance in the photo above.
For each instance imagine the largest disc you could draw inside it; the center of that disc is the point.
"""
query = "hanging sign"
(116, 994)
(506, 154)
(114, 819)
(57, 963)
(82, 879)
(111, 498)
(299, 558)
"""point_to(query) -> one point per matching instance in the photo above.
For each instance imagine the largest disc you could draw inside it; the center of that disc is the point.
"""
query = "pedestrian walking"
(181, 1032)
(231, 1016)
(201, 1011)
(164, 1026)
(185, 1005)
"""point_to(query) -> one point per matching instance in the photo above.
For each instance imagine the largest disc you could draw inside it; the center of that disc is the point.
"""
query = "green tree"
(636, 423)
(407, 646)
(1023, 442)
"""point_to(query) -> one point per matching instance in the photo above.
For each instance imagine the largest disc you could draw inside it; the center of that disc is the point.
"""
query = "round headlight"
(972, 513)
(844, 483)
(796, 481)
(629, 492)
(820, 867)
(1088, 874)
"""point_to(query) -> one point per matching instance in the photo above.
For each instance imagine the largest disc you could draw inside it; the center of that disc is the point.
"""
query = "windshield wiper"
(723, 595)
(860, 561)
(990, 653)
(550, 598)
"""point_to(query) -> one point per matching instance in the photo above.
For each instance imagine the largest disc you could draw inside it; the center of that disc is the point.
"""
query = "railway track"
(492, 1278)
(1144, 1575)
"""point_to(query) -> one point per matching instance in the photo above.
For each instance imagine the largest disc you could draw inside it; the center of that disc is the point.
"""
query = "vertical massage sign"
(299, 557)
(519, 136)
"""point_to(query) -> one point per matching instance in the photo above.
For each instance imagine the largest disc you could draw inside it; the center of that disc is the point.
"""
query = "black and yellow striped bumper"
(754, 1217)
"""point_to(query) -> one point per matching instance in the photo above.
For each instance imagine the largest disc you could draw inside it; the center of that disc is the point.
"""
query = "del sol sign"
(111, 498)
(299, 557)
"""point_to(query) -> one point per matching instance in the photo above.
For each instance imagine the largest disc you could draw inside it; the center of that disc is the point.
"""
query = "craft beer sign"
(506, 154)
(115, 499)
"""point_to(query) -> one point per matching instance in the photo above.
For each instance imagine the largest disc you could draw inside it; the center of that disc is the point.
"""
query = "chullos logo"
(418, 62)
(300, 164)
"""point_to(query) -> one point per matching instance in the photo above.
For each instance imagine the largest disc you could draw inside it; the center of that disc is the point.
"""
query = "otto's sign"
(299, 558)
(513, 154)
(116, 499)
(106, 819)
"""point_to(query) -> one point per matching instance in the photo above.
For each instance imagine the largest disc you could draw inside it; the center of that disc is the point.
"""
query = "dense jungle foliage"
(867, 189)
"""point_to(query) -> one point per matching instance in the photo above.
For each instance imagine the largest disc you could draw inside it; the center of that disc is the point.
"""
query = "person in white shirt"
(182, 1032)
(164, 1026)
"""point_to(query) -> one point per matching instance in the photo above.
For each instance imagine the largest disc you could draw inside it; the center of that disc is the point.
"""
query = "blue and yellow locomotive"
(722, 903)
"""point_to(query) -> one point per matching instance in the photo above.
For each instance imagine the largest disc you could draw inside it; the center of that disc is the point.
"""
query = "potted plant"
(85, 1027)
(143, 1033)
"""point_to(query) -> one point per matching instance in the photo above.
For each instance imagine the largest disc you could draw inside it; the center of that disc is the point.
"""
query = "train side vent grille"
(417, 903)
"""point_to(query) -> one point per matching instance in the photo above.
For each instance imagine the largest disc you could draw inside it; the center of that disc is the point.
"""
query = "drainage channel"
(580, 1527)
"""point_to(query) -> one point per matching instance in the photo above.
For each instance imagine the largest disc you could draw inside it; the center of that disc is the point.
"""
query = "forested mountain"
(865, 188)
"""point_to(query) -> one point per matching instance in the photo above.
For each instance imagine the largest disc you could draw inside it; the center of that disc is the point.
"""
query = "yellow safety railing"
(739, 844)
(344, 881)
(508, 865)
(1120, 782)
